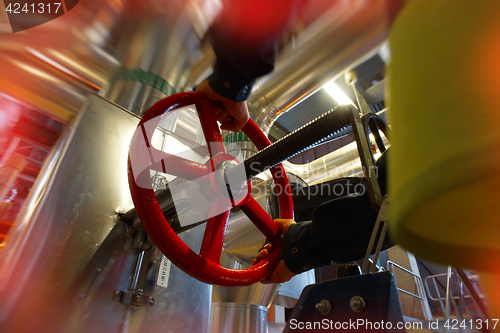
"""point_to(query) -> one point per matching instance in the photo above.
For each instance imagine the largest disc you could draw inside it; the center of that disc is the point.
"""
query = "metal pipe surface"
(348, 33)
(232, 317)
(54, 66)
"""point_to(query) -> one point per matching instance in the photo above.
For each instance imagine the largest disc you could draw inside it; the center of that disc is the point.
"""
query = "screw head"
(357, 304)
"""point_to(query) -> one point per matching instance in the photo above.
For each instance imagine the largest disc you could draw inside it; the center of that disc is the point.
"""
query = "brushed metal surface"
(165, 43)
(257, 293)
(68, 252)
(343, 162)
(294, 287)
(238, 318)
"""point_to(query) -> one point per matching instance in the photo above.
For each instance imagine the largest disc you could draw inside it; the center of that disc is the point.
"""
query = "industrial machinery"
(132, 212)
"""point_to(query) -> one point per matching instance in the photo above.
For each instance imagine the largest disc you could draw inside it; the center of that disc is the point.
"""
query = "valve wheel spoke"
(176, 166)
(261, 219)
(145, 157)
(215, 231)
(211, 131)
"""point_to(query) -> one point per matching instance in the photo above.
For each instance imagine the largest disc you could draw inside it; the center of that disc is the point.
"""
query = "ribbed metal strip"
(313, 133)
(376, 93)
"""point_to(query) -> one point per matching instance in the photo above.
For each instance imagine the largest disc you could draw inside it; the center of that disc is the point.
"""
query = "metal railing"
(457, 293)
(418, 284)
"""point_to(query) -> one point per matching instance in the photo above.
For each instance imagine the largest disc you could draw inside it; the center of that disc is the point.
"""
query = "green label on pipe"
(236, 137)
(151, 79)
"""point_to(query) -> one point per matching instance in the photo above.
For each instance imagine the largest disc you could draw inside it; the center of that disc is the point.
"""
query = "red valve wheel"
(204, 266)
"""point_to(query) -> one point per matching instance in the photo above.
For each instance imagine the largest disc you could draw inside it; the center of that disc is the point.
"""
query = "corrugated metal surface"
(306, 111)
(320, 102)
(376, 93)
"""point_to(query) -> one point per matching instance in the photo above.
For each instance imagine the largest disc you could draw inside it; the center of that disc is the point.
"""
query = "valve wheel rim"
(204, 266)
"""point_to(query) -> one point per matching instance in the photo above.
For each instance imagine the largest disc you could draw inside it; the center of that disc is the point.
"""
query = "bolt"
(357, 304)
(351, 77)
(324, 307)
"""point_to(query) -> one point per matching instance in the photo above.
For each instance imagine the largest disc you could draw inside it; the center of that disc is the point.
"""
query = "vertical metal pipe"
(159, 50)
(448, 278)
(137, 270)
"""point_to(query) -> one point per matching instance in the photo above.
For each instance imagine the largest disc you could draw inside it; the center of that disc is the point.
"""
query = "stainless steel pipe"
(238, 318)
(344, 36)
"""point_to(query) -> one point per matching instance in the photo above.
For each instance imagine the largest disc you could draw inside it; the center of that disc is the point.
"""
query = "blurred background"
(66, 250)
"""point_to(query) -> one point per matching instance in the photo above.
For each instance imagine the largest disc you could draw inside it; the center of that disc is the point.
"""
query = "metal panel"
(358, 301)
(294, 287)
(68, 252)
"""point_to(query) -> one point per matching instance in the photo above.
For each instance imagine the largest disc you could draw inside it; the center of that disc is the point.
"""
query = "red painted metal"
(281, 181)
(260, 218)
(204, 266)
(211, 247)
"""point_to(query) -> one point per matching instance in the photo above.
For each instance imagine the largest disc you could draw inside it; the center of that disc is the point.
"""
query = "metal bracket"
(382, 220)
(141, 238)
(134, 298)
(365, 154)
